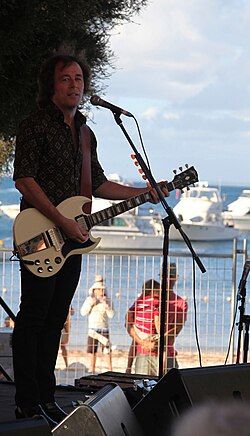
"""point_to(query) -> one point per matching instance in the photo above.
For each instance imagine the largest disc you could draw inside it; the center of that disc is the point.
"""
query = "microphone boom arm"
(172, 217)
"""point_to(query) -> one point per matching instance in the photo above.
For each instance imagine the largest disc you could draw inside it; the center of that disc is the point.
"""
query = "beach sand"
(79, 363)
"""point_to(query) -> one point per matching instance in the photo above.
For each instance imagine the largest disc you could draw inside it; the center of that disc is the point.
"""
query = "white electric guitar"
(42, 246)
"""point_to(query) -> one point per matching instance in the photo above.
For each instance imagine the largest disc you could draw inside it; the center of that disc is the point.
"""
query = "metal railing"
(125, 273)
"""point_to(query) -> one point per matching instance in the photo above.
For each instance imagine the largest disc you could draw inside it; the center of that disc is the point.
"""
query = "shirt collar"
(54, 110)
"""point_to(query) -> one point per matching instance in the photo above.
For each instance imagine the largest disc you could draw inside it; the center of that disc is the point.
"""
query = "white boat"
(200, 214)
(238, 212)
(11, 210)
(128, 231)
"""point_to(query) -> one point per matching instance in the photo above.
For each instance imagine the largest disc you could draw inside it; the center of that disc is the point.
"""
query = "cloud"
(183, 69)
(171, 115)
(150, 113)
(178, 48)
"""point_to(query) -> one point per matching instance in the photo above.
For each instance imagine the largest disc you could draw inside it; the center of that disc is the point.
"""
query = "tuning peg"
(140, 171)
(144, 177)
(148, 185)
(136, 163)
(132, 156)
(186, 165)
(174, 171)
(180, 168)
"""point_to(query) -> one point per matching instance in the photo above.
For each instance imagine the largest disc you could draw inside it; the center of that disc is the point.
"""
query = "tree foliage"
(6, 155)
(30, 30)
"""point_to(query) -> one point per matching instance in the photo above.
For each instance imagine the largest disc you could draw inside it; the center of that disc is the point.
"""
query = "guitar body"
(42, 246)
(42, 253)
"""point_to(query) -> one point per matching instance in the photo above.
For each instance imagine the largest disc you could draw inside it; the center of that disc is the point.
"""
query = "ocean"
(9, 195)
(125, 277)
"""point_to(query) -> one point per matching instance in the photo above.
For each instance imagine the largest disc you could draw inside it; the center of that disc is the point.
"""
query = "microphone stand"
(167, 221)
(244, 319)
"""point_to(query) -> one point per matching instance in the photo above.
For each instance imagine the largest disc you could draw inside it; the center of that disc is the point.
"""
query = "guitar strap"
(86, 179)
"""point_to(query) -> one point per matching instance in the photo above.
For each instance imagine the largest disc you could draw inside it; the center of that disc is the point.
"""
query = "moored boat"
(200, 214)
(238, 212)
(129, 231)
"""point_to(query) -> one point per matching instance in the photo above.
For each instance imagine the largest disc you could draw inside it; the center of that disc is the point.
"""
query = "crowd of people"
(142, 322)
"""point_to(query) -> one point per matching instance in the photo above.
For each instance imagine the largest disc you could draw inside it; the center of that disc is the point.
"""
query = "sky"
(183, 71)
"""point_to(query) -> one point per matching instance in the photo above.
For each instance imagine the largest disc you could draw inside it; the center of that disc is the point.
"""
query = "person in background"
(47, 170)
(8, 323)
(99, 310)
(143, 325)
(7, 328)
(214, 418)
(132, 348)
(65, 337)
(176, 315)
(98, 279)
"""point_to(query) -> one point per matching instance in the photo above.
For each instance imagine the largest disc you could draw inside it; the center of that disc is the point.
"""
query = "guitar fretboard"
(180, 181)
(117, 209)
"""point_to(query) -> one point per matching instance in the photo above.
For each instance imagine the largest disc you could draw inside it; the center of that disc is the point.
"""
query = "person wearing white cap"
(98, 279)
(99, 310)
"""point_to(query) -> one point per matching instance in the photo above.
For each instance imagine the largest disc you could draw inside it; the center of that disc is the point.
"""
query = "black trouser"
(44, 307)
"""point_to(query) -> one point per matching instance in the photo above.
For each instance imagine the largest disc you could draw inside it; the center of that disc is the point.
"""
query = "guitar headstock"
(185, 178)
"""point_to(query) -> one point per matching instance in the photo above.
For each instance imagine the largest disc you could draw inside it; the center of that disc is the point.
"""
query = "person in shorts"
(99, 310)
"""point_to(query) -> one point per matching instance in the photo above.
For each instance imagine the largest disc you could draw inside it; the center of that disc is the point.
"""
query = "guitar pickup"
(56, 237)
(80, 219)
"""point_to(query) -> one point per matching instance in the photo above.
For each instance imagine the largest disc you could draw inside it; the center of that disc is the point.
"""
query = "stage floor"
(64, 396)
(69, 397)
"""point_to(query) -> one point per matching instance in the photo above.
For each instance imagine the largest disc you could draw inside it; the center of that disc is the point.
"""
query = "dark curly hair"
(149, 286)
(46, 76)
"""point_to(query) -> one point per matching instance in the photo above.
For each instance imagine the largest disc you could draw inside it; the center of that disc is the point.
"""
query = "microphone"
(243, 279)
(98, 101)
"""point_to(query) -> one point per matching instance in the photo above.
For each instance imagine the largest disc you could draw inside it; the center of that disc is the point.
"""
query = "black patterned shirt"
(45, 151)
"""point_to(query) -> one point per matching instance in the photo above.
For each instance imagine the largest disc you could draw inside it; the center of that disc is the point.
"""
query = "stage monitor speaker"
(106, 413)
(25, 427)
(180, 389)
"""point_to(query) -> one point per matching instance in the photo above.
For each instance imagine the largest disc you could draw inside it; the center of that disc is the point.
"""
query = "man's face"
(68, 86)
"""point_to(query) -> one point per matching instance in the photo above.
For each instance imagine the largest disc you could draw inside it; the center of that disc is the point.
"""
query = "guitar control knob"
(50, 268)
(47, 261)
(58, 260)
(37, 262)
(40, 270)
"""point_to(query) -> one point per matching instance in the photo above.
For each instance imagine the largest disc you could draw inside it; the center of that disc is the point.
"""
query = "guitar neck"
(119, 208)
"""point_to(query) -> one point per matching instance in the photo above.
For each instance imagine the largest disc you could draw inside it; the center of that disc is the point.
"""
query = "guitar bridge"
(33, 245)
